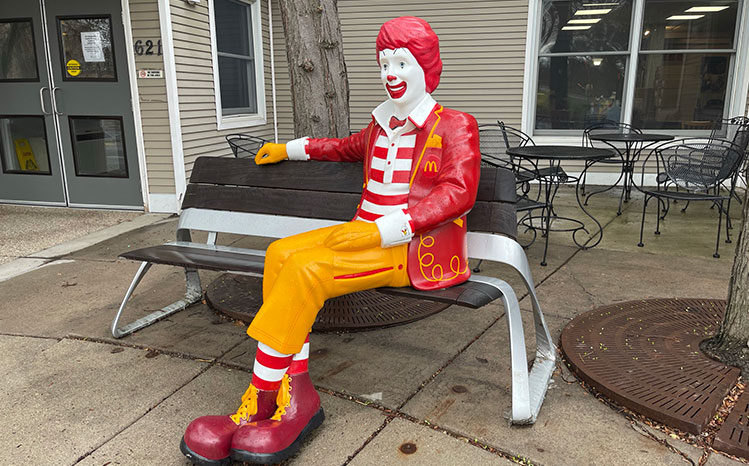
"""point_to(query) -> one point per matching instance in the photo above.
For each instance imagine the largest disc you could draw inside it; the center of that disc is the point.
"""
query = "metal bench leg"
(508, 251)
(192, 295)
(521, 394)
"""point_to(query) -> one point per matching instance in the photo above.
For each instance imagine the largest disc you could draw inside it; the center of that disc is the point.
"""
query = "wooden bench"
(235, 196)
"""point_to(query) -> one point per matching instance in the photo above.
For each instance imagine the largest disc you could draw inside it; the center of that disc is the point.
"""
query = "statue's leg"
(305, 281)
(207, 439)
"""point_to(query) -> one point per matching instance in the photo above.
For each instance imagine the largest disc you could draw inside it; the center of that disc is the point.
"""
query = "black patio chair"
(736, 130)
(605, 127)
(696, 166)
(244, 145)
(494, 140)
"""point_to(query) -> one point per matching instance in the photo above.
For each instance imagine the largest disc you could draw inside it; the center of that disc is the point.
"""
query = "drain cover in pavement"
(240, 297)
(733, 436)
(645, 355)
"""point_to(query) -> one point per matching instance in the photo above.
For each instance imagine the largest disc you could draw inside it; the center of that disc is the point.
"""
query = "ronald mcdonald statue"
(421, 170)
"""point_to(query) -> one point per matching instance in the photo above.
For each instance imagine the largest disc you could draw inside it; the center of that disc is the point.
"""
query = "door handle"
(54, 101)
(41, 100)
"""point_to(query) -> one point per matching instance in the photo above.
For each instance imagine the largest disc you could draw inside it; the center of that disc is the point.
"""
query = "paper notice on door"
(93, 51)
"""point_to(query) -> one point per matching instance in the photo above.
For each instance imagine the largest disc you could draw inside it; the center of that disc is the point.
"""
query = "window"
(237, 67)
(683, 52)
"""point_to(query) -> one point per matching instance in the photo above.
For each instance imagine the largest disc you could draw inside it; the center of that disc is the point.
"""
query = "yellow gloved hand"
(353, 236)
(271, 153)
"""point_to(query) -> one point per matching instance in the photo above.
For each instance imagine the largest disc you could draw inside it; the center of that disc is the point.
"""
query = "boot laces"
(248, 406)
(283, 399)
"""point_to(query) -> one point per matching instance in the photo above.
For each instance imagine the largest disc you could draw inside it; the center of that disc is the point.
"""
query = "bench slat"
(327, 205)
(492, 217)
(496, 184)
(325, 176)
(198, 258)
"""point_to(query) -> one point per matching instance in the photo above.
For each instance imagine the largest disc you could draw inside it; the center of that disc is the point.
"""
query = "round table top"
(551, 152)
(630, 137)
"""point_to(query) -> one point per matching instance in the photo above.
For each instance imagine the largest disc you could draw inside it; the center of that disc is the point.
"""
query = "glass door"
(67, 135)
(30, 169)
(92, 102)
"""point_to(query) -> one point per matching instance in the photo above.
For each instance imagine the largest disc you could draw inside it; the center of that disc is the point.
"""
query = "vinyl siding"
(197, 99)
(144, 16)
(482, 46)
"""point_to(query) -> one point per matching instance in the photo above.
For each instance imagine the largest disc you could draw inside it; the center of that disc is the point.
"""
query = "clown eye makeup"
(403, 64)
(385, 66)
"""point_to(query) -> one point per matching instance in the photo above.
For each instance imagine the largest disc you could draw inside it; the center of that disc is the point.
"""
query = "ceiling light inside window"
(597, 61)
(706, 9)
(597, 11)
(681, 17)
(584, 21)
(647, 32)
(575, 28)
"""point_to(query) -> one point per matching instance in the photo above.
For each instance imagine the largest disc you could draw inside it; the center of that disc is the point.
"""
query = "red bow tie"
(395, 123)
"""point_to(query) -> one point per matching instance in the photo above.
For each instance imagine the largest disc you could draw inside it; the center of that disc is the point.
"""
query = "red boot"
(273, 440)
(207, 440)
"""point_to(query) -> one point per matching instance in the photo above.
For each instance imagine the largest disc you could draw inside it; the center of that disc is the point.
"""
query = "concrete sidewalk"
(73, 395)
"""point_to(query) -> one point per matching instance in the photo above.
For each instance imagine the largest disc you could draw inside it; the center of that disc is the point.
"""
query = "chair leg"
(658, 218)
(193, 294)
(642, 223)
(720, 221)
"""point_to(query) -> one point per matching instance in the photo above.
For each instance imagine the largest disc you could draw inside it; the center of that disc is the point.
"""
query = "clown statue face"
(403, 78)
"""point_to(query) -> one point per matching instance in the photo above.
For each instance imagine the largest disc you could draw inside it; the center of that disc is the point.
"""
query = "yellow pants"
(301, 273)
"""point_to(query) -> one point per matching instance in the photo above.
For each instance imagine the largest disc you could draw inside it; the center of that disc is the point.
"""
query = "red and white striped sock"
(270, 367)
(299, 362)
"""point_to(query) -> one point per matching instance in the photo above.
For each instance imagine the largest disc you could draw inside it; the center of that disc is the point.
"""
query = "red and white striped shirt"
(385, 200)
(387, 188)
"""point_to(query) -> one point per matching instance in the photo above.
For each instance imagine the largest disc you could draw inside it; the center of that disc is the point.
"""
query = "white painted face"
(402, 77)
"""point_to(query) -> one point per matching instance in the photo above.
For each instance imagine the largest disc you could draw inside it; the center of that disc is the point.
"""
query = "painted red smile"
(397, 91)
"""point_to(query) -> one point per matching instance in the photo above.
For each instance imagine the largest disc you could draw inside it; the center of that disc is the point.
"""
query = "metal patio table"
(554, 155)
(629, 155)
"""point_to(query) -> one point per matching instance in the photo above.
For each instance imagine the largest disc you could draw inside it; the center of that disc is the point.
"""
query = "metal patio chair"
(603, 127)
(244, 145)
(494, 140)
(697, 166)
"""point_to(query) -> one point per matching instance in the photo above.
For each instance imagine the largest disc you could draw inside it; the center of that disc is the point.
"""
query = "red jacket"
(444, 182)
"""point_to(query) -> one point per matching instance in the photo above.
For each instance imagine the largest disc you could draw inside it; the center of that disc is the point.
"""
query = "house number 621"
(147, 47)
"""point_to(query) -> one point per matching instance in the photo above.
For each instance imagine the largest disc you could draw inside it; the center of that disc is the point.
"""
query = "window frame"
(736, 88)
(241, 120)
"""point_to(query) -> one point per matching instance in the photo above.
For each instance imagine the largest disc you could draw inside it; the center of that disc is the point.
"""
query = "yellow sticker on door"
(73, 67)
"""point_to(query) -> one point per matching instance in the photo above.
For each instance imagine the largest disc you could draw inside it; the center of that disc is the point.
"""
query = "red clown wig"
(417, 36)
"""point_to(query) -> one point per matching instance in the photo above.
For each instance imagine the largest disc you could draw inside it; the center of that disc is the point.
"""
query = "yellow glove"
(271, 153)
(353, 236)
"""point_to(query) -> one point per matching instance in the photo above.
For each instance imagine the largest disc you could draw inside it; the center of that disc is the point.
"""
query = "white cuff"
(297, 149)
(395, 228)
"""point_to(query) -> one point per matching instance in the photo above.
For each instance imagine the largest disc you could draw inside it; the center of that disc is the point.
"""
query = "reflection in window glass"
(23, 145)
(236, 61)
(688, 25)
(87, 51)
(575, 92)
(98, 147)
(17, 52)
(680, 90)
(575, 26)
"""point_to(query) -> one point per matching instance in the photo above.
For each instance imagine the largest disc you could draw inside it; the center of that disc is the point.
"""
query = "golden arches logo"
(430, 166)
(435, 272)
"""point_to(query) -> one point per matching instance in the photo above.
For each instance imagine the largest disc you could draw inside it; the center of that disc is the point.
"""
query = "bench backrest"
(325, 190)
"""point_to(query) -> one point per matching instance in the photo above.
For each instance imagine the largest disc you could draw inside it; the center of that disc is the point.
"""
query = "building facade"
(108, 103)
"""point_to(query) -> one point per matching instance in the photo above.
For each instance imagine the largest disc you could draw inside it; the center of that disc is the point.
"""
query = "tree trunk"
(319, 83)
(730, 343)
